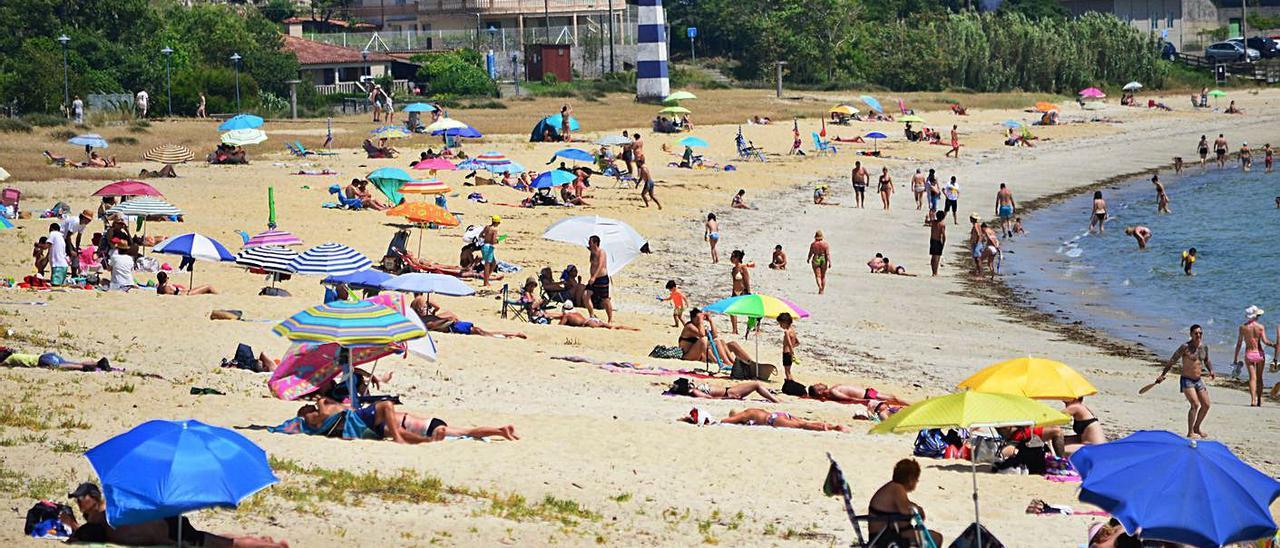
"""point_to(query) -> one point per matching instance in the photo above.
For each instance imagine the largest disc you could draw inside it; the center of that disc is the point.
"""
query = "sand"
(609, 441)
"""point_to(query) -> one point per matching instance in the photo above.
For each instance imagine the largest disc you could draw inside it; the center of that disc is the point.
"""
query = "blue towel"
(353, 427)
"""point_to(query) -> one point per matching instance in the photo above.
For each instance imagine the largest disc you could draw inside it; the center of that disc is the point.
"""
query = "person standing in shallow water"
(1162, 198)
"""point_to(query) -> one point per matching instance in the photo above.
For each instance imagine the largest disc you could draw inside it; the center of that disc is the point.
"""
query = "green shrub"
(14, 125)
(490, 103)
(459, 73)
(45, 120)
(62, 134)
(123, 140)
(550, 79)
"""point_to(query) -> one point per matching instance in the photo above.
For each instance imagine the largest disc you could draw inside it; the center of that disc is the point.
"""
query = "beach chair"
(343, 200)
(748, 151)
(889, 537)
(60, 161)
(293, 150)
(823, 147)
(304, 152)
(516, 308)
(11, 198)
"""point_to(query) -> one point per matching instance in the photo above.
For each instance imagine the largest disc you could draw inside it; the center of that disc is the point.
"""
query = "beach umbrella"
(467, 132)
(364, 279)
(4, 175)
(1133, 86)
(675, 110)
(241, 121)
(422, 282)
(435, 164)
(195, 247)
(555, 120)
(613, 140)
(1035, 378)
(844, 109)
(445, 123)
(692, 141)
(388, 180)
(242, 137)
(872, 103)
(424, 346)
(1217, 93)
(424, 212)
(552, 179)
(1011, 123)
(169, 154)
(161, 469)
(270, 258)
(875, 137)
(273, 237)
(969, 410)
(330, 259)
(1162, 486)
(756, 306)
(496, 162)
(1043, 106)
(621, 243)
(911, 118)
(128, 188)
(389, 132)
(419, 107)
(1092, 92)
(679, 96)
(145, 206)
(89, 140)
(308, 366)
(433, 186)
(575, 154)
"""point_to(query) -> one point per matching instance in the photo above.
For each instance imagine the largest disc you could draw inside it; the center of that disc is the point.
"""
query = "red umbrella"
(128, 188)
(305, 367)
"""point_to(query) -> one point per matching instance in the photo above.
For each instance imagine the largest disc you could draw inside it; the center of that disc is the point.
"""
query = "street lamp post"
(779, 65)
(235, 60)
(168, 83)
(611, 66)
(66, 85)
(515, 73)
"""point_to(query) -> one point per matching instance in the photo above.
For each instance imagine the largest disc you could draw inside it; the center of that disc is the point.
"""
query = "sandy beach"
(602, 458)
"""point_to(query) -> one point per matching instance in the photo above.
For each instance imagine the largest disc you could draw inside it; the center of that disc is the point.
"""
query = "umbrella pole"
(344, 356)
(421, 229)
(973, 469)
(179, 543)
(191, 282)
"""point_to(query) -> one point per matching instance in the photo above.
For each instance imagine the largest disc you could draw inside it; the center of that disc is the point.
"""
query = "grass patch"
(20, 485)
(22, 419)
(489, 103)
(45, 120)
(14, 125)
(120, 388)
(123, 140)
(622, 498)
(61, 134)
(63, 446)
(74, 423)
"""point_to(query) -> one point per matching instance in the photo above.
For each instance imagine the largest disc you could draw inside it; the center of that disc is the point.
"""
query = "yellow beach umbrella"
(843, 109)
(674, 110)
(1035, 378)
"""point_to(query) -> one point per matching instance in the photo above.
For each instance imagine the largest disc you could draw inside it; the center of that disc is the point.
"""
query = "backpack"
(793, 388)
(41, 512)
(930, 443)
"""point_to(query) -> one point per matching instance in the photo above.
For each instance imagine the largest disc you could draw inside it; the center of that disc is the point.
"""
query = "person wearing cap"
(157, 532)
(489, 239)
(1253, 336)
(88, 498)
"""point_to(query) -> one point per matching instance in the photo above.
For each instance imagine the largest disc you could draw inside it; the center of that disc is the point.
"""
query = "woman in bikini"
(163, 287)
(1088, 431)
(777, 419)
(741, 280)
(820, 259)
(918, 188)
(885, 188)
(893, 499)
(1203, 149)
(1252, 336)
(1099, 214)
(712, 235)
(740, 391)
(695, 345)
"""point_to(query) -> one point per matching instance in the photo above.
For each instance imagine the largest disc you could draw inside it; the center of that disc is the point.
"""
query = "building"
(1184, 23)
(520, 21)
(335, 69)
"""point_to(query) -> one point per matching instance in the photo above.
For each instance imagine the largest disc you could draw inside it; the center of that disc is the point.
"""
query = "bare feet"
(509, 432)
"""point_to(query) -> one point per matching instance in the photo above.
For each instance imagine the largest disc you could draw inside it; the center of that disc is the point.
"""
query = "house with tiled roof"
(336, 69)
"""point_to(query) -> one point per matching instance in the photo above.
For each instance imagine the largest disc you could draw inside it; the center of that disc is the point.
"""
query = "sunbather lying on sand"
(10, 358)
(443, 321)
(848, 393)
(98, 161)
(401, 427)
(740, 391)
(575, 319)
(163, 287)
(756, 417)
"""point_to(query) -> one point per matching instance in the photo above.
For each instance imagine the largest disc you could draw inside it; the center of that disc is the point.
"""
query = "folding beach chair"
(888, 537)
(746, 149)
(302, 151)
(823, 147)
(294, 150)
(517, 308)
(11, 197)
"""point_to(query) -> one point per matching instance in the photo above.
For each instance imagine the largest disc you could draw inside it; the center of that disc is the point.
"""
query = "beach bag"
(986, 450)
(969, 538)
(793, 388)
(666, 352)
(244, 357)
(41, 512)
(930, 443)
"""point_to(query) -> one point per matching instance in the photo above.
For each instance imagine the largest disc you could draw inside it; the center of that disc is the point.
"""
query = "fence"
(403, 87)
(1265, 71)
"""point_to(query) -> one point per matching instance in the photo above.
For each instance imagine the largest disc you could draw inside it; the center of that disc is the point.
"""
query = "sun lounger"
(822, 147)
(302, 151)
(59, 161)
(343, 200)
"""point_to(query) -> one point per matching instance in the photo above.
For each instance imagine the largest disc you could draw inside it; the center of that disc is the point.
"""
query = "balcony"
(372, 9)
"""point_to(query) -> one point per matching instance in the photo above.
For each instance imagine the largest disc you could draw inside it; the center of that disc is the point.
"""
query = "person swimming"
(1188, 260)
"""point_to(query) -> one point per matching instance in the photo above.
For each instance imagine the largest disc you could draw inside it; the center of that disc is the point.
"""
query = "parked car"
(1168, 52)
(1265, 46)
(1230, 52)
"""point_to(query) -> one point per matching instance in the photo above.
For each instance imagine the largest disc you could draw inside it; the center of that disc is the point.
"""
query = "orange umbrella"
(424, 213)
(1044, 106)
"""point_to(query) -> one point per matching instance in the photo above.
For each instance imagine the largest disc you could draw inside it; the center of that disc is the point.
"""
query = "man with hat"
(75, 225)
(489, 239)
(88, 498)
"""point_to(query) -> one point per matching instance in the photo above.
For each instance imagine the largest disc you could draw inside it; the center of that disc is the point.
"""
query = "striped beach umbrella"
(145, 206)
(128, 188)
(195, 247)
(241, 121)
(756, 306)
(497, 162)
(349, 324)
(308, 366)
(389, 132)
(435, 164)
(271, 258)
(169, 154)
(242, 137)
(273, 237)
(432, 186)
(330, 259)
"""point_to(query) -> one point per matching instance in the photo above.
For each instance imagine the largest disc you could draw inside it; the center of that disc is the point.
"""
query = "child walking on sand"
(677, 301)
(789, 343)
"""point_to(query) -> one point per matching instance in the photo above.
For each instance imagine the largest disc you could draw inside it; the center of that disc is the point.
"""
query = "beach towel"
(633, 368)
(346, 425)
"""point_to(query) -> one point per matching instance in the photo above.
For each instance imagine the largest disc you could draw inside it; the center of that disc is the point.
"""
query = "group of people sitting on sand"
(540, 312)
(926, 134)
(357, 191)
(380, 150)
(228, 154)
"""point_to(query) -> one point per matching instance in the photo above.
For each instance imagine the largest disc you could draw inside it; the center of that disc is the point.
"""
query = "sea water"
(1104, 281)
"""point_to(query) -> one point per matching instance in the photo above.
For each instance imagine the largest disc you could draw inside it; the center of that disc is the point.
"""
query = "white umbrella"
(446, 123)
(3, 174)
(620, 242)
(242, 137)
(1132, 86)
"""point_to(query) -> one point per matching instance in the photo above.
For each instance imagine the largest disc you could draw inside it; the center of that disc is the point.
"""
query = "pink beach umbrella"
(435, 164)
(273, 237)
(1092, 92)
(306, 367)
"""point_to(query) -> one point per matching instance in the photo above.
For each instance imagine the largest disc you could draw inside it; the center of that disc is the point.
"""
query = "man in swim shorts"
(859, 177)
(1194, 355)
(597, 294)
(1004, 209)
(937, 239)
(1253, 336)
(977, 242)
(489, 239)
(1220, 149)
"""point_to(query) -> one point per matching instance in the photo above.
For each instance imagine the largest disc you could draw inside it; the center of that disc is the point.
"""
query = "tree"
(278, 10)
(1035, 9)
(328, 10)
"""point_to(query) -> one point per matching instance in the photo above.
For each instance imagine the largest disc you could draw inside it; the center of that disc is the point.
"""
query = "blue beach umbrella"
(161, 469)
(330, 259)
(196, 248)
(89, 140)
(241, 121)
(419, 107)
(1011, 123)
(465, 132)
(422, 282)
(1166, 487)
(552, 179)
(872, 102)
(692, 141)
(575, 154)
(554, 121)
(371, 279)
(875, 137)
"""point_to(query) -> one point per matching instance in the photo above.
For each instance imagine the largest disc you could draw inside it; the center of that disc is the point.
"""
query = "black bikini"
(1081, 425)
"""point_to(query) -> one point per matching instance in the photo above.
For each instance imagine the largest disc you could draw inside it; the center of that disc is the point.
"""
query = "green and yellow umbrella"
(911, 118)
(756, 306)
(675, 110)
(1035, 378)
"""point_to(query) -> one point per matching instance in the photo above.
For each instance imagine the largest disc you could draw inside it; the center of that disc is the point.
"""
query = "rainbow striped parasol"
(349, 324)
